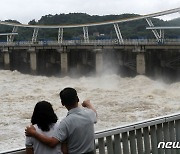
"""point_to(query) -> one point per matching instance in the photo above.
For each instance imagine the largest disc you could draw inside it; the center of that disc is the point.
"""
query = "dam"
(129, 57)
(133, 57)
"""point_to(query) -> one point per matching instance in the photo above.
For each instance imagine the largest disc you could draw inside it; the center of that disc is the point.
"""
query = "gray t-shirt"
(78, 128)
(40, 148)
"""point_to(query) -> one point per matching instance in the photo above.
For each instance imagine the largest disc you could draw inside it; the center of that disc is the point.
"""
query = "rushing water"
(118, 100)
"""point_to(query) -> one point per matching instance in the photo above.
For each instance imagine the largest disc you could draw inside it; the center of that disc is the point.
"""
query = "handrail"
(137, 125)
(13, 151)
(165, 27)
(93, 42)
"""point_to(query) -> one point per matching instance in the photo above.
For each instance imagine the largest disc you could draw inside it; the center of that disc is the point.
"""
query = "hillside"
(133, 29)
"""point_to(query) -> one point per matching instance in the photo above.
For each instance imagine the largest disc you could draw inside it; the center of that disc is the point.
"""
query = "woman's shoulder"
(37, 128)
(56, 124)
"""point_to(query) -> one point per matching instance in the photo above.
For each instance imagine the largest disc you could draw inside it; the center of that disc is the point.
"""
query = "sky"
(27, 10)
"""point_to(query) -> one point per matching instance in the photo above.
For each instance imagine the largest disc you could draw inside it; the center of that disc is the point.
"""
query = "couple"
(75, 133)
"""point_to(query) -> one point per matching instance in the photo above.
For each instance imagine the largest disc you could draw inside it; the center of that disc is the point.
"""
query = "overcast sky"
(26, 10)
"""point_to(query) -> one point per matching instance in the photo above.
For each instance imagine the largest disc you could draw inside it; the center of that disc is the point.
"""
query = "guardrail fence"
(142, 137)
(110, 42)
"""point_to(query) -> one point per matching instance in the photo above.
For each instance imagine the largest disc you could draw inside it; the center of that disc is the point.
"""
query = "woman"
(45, 122)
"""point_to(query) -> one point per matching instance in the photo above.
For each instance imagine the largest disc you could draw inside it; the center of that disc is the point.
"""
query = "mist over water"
(118, 100)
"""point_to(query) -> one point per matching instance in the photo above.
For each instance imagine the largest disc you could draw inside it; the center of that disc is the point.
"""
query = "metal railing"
(109, 42)
(137, 138)
(140, 138)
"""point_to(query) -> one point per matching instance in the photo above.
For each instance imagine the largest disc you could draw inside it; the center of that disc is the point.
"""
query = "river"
(118, 100)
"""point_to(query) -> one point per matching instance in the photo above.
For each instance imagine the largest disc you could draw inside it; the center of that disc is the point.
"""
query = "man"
(77, 128)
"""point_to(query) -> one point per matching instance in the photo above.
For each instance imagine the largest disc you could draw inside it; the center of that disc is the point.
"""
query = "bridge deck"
(80, 44)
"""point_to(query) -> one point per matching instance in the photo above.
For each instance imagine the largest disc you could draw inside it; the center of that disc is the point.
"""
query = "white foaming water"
(118, 100)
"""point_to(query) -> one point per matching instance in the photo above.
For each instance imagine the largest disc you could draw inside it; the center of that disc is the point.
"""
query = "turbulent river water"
(118, 100)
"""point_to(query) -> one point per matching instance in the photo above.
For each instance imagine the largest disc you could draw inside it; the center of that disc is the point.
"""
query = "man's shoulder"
(81, 112)
(89, 111)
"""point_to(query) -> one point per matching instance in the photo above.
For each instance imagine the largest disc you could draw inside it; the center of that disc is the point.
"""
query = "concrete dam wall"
(152, 61)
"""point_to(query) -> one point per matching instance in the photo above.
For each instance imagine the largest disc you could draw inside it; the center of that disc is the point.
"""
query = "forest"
(130, 30)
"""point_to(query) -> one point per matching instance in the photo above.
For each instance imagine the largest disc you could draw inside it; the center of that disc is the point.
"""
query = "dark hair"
(43, 115)
(69, 96)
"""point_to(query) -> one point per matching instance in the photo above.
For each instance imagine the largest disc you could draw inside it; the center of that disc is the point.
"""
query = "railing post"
(172, 134)
(177, 127)
(153, 139)
(109, 144)
(132, 138)
(146, 140)
(160, 137)
(139, 141)
(101, 145)
(117, 144)
(125, 143)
